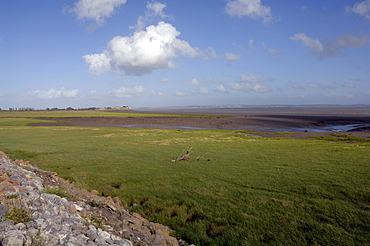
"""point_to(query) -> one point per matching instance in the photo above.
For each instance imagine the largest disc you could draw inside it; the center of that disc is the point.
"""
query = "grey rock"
(123, 242)
(13, 238)
(3, 212)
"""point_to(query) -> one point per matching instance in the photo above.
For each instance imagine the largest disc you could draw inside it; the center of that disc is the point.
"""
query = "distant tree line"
(62, 109)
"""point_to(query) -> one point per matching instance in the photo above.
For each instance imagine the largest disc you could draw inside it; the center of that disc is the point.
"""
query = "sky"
(106, 53)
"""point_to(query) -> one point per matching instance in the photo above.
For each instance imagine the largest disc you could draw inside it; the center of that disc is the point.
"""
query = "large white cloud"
(54, 93)
(251, 8)
(143, 52)
(97, 10)
(361, 9)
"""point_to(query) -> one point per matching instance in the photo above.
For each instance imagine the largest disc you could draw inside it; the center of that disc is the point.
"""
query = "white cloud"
(315, 45)
(295, 86)
(93, 93)
(255, 78)
(99, 63)
(360, 8)
(341, 95)
(180, 93)
(154, 12)
(348, 40)
(142, 52)
(201, 90)
(157, 93)
(349, 85)
(275, 52)
(127, 91)
(54, 93)
(252, 83)
(251, 8)
(230, 57)
(194, 82)
(221, 88)
(329, 49)
(97, 10)
(246, 87)
(320, 86)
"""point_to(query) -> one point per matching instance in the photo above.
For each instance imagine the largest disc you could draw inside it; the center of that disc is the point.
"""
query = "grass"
(12, 195)
(252, 191)
(21, 121)
(342, 138)
(18, 215)
(59, 191)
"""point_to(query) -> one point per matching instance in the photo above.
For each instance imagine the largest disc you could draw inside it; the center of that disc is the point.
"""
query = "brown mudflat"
(305, 121)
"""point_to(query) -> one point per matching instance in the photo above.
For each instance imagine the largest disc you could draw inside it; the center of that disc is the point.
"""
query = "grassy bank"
(236, 190)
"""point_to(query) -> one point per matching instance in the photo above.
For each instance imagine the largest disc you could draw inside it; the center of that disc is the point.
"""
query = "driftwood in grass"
(185, 157)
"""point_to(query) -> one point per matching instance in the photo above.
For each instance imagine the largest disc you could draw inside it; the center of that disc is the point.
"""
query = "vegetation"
(12, 195)
(240, 191)
(18, 215)
(341, 137)
(59, 191)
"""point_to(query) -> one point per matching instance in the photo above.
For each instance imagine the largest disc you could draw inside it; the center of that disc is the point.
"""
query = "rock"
(3, 212)
(13, 238)
(95, 192)
(59, 221)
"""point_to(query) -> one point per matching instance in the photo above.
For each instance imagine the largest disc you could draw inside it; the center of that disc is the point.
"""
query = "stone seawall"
(39, 208)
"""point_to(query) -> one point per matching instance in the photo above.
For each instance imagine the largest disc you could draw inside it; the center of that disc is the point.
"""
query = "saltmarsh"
(241, 191)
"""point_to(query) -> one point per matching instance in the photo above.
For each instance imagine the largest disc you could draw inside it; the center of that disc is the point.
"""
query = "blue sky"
(84, 53)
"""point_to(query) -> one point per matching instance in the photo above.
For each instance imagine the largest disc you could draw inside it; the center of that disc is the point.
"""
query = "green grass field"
(240, 191)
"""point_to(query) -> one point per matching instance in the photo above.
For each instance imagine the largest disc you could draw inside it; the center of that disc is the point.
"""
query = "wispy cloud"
(157, 93)
(320, 86)
(53, 93)
(348, 40)
(230, 57)
(252, 83)
(127, 91)
(96, 10)
(154, 12)
(246, 87)
(360, 8)
(180, 94)
(329, 49)
(254, 78)
(295, 85)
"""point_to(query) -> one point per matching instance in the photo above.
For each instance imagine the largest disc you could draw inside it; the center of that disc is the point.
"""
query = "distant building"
(123, 107)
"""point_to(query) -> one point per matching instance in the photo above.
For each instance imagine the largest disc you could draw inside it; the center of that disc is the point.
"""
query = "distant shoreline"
(268, 120)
